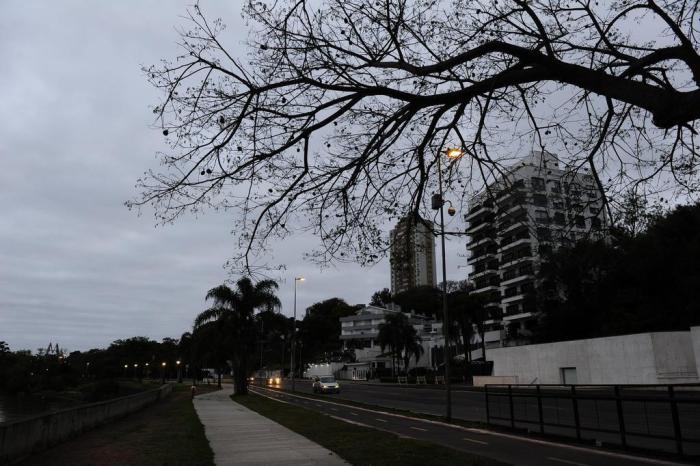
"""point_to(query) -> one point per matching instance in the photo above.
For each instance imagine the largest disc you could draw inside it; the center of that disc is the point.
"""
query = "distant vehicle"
(326, 384)
(274, 381)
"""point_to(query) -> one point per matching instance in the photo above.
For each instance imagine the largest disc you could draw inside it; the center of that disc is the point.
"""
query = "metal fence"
(651, 417)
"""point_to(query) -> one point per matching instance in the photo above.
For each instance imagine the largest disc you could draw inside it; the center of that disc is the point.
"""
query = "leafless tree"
(334, 119)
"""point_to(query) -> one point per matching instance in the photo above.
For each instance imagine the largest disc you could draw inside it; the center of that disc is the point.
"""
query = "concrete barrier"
(22, 437)
(481, 380)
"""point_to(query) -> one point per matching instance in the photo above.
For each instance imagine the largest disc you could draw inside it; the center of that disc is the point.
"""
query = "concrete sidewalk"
(240, 436)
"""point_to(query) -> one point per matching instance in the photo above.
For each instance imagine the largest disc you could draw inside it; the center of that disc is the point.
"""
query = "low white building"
(644, 358)
(359, 333)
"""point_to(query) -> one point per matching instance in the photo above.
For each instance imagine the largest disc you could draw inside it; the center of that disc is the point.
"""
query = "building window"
(558, 204)
(556, 187)
(579, 221)
(540, 200)
(559, 218)
(544, 234)
(596, 223)
(537, 184)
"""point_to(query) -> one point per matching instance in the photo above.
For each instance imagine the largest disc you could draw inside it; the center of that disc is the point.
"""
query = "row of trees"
(644, 278)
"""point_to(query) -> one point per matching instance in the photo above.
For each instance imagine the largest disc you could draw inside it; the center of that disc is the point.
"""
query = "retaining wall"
(22, 437)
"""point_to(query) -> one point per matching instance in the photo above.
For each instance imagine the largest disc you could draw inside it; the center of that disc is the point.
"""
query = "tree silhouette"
(397, 334)
(233, 315)
(338, 113)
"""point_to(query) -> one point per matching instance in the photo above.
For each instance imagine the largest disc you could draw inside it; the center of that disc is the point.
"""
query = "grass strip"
(356, 444)
(168, 432)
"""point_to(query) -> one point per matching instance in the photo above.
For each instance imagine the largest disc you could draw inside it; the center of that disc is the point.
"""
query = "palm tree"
(234, 311)
(397, 333)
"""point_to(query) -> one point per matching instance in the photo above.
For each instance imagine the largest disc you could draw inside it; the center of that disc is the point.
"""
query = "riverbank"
(168, 432)
(15, 407)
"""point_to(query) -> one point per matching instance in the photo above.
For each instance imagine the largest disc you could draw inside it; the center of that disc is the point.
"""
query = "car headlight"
(270, 381)
(277, 381)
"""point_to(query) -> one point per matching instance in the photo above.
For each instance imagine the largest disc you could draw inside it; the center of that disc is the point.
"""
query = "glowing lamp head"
(162, 364)
(454, 153)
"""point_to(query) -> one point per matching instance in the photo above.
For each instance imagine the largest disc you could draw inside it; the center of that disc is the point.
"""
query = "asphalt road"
(469, 404)
(504, 447)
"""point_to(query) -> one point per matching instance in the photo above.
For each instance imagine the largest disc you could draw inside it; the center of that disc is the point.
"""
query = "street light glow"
(177, 362)
(300, 279)
(162, 364)
(454, 153)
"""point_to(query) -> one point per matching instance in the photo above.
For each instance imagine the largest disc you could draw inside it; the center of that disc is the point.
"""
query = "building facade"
(535, 208)
(359, 333)
(412, 255)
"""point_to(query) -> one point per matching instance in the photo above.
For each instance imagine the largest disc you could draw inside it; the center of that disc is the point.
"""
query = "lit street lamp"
(294, 328)
(162, 373)
(179, 371)
(439, 203)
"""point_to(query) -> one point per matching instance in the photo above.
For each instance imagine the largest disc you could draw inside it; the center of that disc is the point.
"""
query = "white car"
(326, 384)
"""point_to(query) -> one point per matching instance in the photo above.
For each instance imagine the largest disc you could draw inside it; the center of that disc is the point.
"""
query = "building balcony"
(475, 228)
(488, 289)
(481, 256)
(483, 273)
(515, 244)
(480, 242)
(477, 211)
(518, 316)
(515, 226)
(512, 299)
(517, 279)
(511, 211)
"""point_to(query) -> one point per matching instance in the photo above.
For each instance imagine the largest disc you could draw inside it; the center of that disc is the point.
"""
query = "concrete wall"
(22, 437)
(695, 338)
(646, 358)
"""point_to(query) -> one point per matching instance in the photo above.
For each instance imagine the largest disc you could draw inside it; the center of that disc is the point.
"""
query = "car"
(326, 384)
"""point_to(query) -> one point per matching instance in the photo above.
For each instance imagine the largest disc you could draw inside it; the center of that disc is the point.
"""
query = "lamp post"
(126, 367)
(439, 203)
(136, 375)
(162, 373)
(294, 329)
(179, 371)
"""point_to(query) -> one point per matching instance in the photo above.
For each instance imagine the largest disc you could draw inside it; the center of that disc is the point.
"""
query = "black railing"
(650, 417)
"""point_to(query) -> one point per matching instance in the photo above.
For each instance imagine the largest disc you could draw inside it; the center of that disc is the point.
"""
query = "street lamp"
(179, 371)
(162, 373)
(439, 203)
(294, 328)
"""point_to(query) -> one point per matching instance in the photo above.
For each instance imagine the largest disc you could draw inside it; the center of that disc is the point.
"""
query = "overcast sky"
(76, 267)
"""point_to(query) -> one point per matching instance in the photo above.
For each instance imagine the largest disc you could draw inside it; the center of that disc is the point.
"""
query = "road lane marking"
(610, 454)
(559, 460)
(380, 420)
(418, 428)
(354, 414)
(475, 441)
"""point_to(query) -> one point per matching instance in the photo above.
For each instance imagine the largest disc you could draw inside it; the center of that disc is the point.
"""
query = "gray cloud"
(75, 265)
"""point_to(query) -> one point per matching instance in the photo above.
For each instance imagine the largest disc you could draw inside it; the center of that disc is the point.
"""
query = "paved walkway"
(240, 436)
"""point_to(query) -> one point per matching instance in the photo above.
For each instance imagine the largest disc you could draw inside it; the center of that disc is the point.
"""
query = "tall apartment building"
(412, 254)
(536, 207)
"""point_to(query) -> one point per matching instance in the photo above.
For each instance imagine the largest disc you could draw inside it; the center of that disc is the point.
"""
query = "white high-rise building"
(412, 254)
(536, 207)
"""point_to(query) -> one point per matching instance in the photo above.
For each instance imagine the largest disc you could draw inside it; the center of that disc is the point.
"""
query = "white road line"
(418, 428)
(475, 441)
(354, 414)
(380, 420)
(610, 454)
(559, 460)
